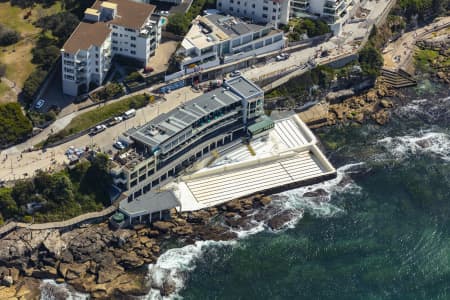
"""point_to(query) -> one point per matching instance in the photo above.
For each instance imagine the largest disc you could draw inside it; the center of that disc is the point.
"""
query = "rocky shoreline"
(375, 104)
(111, 264)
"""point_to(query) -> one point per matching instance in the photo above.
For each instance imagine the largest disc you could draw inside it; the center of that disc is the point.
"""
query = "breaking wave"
(50, 290)
(173, 267)
(435, 143)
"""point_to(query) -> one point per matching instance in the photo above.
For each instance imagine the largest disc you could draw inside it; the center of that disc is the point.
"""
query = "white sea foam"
(50, 290)
(173, 266)
(400, 147)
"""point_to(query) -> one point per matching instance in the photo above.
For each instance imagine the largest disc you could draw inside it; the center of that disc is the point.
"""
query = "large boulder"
(234, 206)
(163, 226)
(109, 273)
(279, 221)
(54, 244)
(130, 260)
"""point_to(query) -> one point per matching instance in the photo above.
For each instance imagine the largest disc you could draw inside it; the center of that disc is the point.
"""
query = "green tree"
(97, 180)
(370, 60)
(8, 36)
(45, 57)
(32, 84)
(23, 192)
(8, 206)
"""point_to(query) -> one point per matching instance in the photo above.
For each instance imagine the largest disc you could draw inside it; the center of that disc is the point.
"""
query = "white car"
(119, 145)
(39, 104)
(235, 73)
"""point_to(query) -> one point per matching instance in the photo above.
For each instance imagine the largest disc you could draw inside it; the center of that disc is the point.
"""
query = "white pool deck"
(288, 155)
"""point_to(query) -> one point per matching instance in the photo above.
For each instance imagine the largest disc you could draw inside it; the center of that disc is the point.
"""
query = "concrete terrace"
(287, 158)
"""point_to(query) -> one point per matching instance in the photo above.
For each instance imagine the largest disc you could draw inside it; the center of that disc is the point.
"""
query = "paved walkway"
(16, 165)
(398, 54)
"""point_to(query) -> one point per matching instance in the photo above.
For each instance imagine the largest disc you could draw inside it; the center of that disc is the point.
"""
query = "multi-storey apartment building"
(335, 12)
(260, 11)
(115, 27)
(216, 39)
(171, 142)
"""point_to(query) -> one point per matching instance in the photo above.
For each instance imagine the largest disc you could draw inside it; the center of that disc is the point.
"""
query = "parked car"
(115, 120)
(118, 145)
(39, 104)
(282, 56)
(235, 73)
(97, 129)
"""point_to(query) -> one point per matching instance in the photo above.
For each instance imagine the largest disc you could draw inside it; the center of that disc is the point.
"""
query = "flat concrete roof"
(169, 124)
(149, 203)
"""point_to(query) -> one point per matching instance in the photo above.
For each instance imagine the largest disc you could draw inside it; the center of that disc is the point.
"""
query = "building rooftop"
(169, 124)
(85, 35)
(211, 29)
(129, 14)
(152, 201)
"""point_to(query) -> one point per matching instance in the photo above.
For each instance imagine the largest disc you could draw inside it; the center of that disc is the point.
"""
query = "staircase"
(397, 78)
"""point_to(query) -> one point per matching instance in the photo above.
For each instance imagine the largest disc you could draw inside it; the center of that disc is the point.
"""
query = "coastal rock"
(7, 281)
(424, 143)
(266, 200)
(386, 103)
(381, 117)
(163, 226)
(234, 206)
(109, 273)
(279, 221)
(130, 260)
(316, 193)
(168, 288)
(54, 244)
(122, 236)
(183, 230)
(46, 272)
(198, 217)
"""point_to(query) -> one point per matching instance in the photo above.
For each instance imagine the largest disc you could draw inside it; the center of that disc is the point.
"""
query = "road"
(15, 165)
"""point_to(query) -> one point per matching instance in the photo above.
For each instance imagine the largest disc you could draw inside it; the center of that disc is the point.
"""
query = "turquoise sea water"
(384, 232)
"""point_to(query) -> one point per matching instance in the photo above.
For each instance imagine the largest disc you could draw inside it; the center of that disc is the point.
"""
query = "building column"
(160, 215)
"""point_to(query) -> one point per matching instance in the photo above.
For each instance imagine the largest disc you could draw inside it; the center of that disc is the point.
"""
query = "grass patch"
(424, 59)
(93, 117)
(5, 92)
(17, 57)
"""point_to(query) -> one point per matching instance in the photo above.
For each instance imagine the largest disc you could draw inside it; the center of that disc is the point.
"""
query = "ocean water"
(382, 232)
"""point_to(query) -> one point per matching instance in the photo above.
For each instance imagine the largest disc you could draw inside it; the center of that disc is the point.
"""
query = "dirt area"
(17, 57)
(160, 61)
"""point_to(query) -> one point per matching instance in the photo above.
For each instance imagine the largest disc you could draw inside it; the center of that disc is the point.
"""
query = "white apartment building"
(335, 12)
(259, 11)
(218, 39)
(112, 27)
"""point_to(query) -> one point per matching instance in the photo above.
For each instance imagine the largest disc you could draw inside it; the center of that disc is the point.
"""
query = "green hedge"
(14, 125)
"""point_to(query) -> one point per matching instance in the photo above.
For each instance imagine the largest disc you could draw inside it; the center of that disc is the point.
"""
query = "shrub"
(134, 77)
(14, 125)
(61, 25)
(8, 36)
(32, 84)
(370, 60)
(109, 92)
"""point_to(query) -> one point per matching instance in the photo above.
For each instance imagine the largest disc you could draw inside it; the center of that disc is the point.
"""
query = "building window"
(66, 55)
(133, 38)
(115, 34)
(114, 48)
(253, 5)
(265, 8)
(120, 35)
(96, 70)
(219, 4)
(96, 55)
(133, 45)
(133, 52)
(114, 26)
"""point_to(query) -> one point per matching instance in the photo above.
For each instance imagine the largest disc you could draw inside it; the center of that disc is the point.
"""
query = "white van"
(129, 113)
